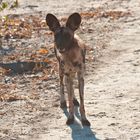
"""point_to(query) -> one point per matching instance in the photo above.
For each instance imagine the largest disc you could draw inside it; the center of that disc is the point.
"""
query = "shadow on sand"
(21, 67)
(80, 132)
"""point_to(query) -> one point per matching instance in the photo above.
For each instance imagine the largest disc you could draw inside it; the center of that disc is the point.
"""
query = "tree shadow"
(22, 67)
(80, 132)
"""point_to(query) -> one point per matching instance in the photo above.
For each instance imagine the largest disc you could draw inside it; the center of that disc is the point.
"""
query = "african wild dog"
(70, 52)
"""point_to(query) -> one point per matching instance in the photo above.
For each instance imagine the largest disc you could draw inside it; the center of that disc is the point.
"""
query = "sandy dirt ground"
(29, 102)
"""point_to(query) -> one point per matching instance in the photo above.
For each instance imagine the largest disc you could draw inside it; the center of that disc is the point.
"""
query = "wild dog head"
(63, 35)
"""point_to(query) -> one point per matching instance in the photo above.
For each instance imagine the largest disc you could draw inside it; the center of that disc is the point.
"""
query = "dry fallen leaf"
(43, 51)
(11, 98)
(47, 61)
(105, 14)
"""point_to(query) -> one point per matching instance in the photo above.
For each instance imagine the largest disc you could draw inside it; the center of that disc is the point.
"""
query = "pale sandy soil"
(112, 81)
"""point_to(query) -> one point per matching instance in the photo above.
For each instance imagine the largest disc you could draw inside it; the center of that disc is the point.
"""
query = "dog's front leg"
(62, 95)
(70, 90)
(61, 77)
(81, 92)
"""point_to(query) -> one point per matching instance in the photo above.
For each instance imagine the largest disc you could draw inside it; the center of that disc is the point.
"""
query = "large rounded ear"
(73, 21)
(52, 22)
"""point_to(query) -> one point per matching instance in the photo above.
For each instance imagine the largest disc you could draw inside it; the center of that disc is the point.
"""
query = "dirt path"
(112, 89)
(115, 102)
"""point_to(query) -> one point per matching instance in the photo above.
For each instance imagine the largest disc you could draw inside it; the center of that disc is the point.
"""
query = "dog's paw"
(63, 104)
(70, 121)
(75, 102)
(85, 122)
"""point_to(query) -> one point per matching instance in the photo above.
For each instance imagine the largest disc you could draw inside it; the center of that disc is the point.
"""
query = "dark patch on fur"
(77, 64)
(67, 74)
